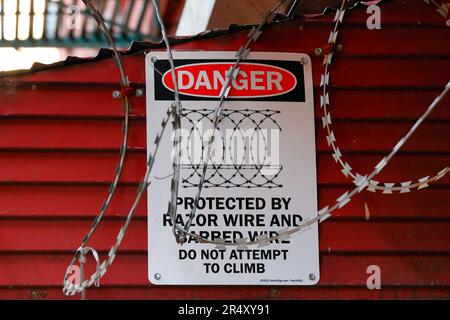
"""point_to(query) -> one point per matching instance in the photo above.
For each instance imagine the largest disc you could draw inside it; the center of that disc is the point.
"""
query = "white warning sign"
(261, 170)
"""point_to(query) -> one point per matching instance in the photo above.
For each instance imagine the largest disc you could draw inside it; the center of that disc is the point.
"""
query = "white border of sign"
(298, 157)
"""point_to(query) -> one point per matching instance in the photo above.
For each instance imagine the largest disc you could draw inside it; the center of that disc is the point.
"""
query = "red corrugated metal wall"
(60, 131)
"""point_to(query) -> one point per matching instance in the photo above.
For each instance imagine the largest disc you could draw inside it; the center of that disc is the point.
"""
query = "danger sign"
(261, 172)
(254, 80)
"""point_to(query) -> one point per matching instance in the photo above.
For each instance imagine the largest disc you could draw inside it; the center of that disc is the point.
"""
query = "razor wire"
(442, 8)
(125, 91)
(358, 178)
(176, 122)
(346, 168)
(264, 239)
(325, 212)
(232, 74)
(173, 112)
(362, 183)
(71, 289)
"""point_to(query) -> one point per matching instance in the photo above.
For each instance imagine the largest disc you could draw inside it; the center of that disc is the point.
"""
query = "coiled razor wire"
(359, 180)
(385, 187)
(124, 84)
(232, 73)
(174, 112)
(176, 122)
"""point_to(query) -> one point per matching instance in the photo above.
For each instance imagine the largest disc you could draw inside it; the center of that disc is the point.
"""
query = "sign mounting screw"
(157, 276)
(153, 59)
(139, 92)
(312, 276)
(116, 94)
(304, 61)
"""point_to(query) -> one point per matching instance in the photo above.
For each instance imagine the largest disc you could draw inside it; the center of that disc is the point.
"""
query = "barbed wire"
(174, 112)
(70, 288)
(362, 183)
(386, 187)
(176, 122)
(125, 91)
(233, 72)
(441, 8)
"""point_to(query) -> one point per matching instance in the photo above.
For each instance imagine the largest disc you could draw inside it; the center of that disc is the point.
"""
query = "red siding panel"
(70, 200)
(101, 135)
(343, 236)
(336, 270)
(98, 168)
(144, 292)
(60, 131)
(360, 71)
(398, 104)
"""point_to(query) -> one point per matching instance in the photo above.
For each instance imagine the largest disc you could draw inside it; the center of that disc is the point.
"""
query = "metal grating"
(67, 23)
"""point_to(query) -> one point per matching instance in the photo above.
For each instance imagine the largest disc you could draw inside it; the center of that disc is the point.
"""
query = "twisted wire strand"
(174, 112)
(72, 289)
(124, 144)
(346, 168)
(242, 54)
(362, 183)
(341, 201)
(176, 122)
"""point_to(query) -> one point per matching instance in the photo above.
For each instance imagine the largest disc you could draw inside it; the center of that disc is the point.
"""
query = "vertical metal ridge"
(126, 22)
(17, 19)
(141, 16)
(114, 16)
(58, 21)
(71, 33)
(31, 26)
(2, 14)
(86, 17)
(101, 8)
(44, 30)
